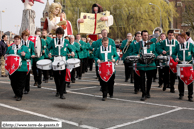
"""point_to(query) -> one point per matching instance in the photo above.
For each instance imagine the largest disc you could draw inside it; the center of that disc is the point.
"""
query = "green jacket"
(164, 45)
(99, 55)
(91, 52)
(76, 49)
(48, 40)
(82, 46)
(31, 50)
(125, 52)
(86, 50)
(43, 45)
(189, 52)
(63, 51)
(23, 67)
(138, 50)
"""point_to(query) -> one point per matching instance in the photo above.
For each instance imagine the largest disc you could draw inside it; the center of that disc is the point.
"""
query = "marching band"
(62, 59)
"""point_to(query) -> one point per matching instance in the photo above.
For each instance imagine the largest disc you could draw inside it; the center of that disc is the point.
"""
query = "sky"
(13, 14)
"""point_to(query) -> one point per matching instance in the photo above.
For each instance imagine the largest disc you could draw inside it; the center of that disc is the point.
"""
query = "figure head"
(54, 10)
(144, 35)
(25, 35)
(138, 36)
(129, 36)
(182, 37)
(96, 8)
(71, 38)
(104, 33)
(163, 36)
(105, 41)
(38, 32)
(4, 37)
(44, 32)
(59, 32)
(170, 34)
(17, 39)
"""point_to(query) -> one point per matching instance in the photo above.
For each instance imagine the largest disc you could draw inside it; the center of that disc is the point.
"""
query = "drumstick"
(190, 61)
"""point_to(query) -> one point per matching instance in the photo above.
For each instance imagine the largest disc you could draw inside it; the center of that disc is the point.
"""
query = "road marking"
(48, 117)
(84, 88)
(124, 100)
(145, 118)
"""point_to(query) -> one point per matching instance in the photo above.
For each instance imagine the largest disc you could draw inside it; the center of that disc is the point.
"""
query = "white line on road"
(143, 119)
(124, 100)
(48, 117)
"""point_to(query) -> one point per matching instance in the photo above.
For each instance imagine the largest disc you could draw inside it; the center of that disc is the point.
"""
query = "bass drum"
(37, 45)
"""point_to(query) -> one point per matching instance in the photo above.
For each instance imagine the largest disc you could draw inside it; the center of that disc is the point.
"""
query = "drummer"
(47, 39)
(142, 48)
(59, 47)
(107, 87)
(38, 72)
(18, 78)
(185, 52)
(76, 48)
(30, 45)
(167, 48)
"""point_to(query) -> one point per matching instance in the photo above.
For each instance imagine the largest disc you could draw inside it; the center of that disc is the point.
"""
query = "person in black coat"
(3, 49)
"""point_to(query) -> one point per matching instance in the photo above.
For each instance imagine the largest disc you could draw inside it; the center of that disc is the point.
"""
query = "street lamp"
(1, 21)
(160, 14)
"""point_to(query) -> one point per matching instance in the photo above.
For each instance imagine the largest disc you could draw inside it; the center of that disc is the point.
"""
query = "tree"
(129, 15)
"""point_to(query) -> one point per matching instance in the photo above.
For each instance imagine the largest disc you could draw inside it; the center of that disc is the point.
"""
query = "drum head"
(73, 60)
(43, 62)
(38, 46)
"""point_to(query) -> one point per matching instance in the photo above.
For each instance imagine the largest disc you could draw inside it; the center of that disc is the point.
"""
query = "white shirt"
(169, 41)
(104, 48)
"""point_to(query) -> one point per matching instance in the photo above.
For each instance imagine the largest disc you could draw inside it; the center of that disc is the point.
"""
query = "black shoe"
(39, 85)
(73, 81)
(86, 71)
(57, 95)
(35, 84)
(18, 99)
(154, 80)
(103, 99)
(164, 88)
(65, 92)
(180, 97)
(168, 86)
(148, 96)
(190, 100)
(80, 78)
(25, 92)
(76, 77)
(143, 98)
(43, 79)
(68, 85)
(51, 78)
(132, 81)
(172, 91)
(62, 97)
(15, 96)
(126, 80)
(136, 92)
(46, 81)
(111, 96)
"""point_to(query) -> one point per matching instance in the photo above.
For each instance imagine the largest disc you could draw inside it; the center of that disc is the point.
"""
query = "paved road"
(83, 107)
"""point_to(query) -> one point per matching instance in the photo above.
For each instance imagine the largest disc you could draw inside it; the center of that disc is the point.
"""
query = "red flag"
(187, 74)
(137, 71)
(106, 70)
(12, 63)
(172, 65)
(68, 75)
(33, 39)
(28, 65)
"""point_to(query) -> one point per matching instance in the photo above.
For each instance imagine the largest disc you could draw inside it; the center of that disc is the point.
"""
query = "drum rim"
(58, 61)
(44, 64)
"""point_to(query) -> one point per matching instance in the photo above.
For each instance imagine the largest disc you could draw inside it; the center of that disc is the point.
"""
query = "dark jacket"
(3, 48)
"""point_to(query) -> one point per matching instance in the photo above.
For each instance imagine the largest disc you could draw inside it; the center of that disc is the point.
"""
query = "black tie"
(17, 48)
(105, 49)
(170, 42)
(144, 44)
(59, 42)
(183, 46)
(25, 43)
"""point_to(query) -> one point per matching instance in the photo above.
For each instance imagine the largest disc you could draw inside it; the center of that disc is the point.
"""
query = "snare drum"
(44, 64)
(58, 65)
(37, 45)
(179, 66)
(73, 63)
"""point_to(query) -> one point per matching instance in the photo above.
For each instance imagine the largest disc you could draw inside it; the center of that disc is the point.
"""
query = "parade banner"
(92, 23)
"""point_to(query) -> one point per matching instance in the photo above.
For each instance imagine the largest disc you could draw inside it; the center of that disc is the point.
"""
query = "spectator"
(3, 49)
